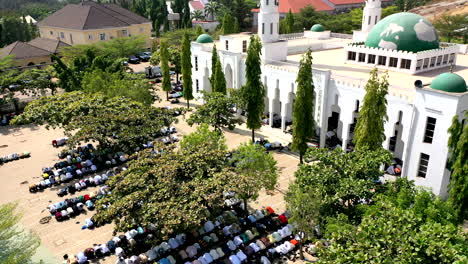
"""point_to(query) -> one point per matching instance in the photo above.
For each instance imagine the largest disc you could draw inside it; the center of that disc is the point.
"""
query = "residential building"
(90, 22)
(427, 86)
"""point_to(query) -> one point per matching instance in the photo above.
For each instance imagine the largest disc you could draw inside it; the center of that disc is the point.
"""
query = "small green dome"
(204, 38)
(449, 82)
(405, 32)
(317, 28)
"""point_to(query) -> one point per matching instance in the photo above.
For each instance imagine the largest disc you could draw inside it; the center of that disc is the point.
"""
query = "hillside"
(436, 8)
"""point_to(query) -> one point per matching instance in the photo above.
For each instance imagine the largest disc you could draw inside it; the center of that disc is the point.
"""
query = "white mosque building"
(427, 86)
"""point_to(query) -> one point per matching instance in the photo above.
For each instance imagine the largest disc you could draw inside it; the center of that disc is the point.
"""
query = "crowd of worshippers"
(76, 164)
(72, 207)
(14, 156)
(232, 238)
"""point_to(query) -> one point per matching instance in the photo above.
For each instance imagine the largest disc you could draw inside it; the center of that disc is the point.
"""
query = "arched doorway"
(206, 80)
(228, 76)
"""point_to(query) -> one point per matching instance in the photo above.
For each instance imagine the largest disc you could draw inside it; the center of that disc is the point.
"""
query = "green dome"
(403, 31)
(204, 38)
(449, 82)
(317, 28)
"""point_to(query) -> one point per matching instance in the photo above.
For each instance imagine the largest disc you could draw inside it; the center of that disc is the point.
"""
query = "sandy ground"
(59, 238)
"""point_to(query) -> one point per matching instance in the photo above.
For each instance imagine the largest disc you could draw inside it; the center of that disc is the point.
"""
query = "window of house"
(393, 140)
(196, 63)
(263, 28)
(433, 60)
(426, 63)
(227, 45)
(71, 38)
(419, 64)
(62, 35)
(244, 46)
(452, 57)
(267, 2)
(142, 29)
(197, 86)
(90, 37)
(445, 59)
(362, 57)
(382, 60)
(430, 127)
(51, 32)
(369, 20)
(439, 60)
(371, 59)
(423, 164)
(124, 33)
(271, 28)
(102, 36)
(405, 64)
(351, 55)
(393, 62)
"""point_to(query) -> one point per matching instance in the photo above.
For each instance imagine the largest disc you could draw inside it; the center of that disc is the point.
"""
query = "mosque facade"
(426, 82)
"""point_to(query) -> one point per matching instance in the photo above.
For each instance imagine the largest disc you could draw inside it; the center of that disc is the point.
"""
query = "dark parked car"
(144, 56)
(133, 60)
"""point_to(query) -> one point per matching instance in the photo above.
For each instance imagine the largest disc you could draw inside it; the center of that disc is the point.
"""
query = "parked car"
(144, 56)
(133, 60)
(14, 87)
(153, 72)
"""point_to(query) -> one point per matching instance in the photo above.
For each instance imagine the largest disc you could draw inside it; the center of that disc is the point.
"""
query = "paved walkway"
(67, 237)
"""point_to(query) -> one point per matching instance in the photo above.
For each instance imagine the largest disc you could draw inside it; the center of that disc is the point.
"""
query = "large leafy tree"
(458, 164)
(174, 191)
(255, 170)
(227, 24)
(18, 246)
(253, 92)
(403, 225)
(370, 131)
(303, 108)
(216, 112)
(450, 26)
(186, 59)
(166, 81)
(117, 123)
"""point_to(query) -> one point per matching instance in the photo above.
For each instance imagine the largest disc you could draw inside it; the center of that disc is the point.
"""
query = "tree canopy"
(370, 130)
(18, 246)
(217, 111)
(116, 123)
(186, 63)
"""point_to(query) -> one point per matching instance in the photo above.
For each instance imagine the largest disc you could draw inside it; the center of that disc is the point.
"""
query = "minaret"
(371, 14)
(268, 21)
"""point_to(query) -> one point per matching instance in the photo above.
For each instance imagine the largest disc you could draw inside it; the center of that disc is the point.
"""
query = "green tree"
(219, 81)
(166, 81)
(253, 92)
(175, 59)
(214, 60)
(199, 30)
(216, 112)
(227, 24)
(370, 131)
(289, 23)
(198, 15)
(450, 26)
(18, 246)
(211, 8)
(303, 108)
(458, 186)
(180, 188)
(117, 123)
(255, 170)
(186, 58)
(186, 16)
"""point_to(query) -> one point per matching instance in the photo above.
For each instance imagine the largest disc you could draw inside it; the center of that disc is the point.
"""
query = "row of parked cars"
(139, 57)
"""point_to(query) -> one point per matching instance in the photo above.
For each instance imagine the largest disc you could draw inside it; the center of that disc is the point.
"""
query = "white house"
(427, 86)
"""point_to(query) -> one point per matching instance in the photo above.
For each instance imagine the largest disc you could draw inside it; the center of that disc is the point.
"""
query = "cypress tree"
(166, 81)
(187, 69)
(178, 7)
(253, 92)
(370, 132)
(186, 17)
(219, 83)
(458, 186)
(289, 22)
(198, 31)
(228, 26)
(303, 125)
(236, 27)
(214, 59)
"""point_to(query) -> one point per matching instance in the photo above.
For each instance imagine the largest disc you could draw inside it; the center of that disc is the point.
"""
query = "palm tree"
(198, 15)
(211, 8)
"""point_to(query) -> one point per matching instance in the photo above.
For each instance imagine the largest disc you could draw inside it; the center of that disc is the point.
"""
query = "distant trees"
(253, 92)
(452, 27)
(303, 126)
(370, 131)
(18, 246)
(15, 28)
(158, 15)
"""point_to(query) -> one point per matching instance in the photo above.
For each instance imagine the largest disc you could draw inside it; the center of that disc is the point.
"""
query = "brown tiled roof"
(21, 50)
(51, 45)
(91, 15)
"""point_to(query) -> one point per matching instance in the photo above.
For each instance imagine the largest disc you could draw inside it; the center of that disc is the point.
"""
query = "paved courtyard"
(59, 238)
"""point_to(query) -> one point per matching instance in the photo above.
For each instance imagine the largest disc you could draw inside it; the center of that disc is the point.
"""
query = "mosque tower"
(268, 21)
(371, 14)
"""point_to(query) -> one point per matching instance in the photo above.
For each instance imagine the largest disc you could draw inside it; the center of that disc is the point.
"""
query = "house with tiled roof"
(90, 22)
(37, 52)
